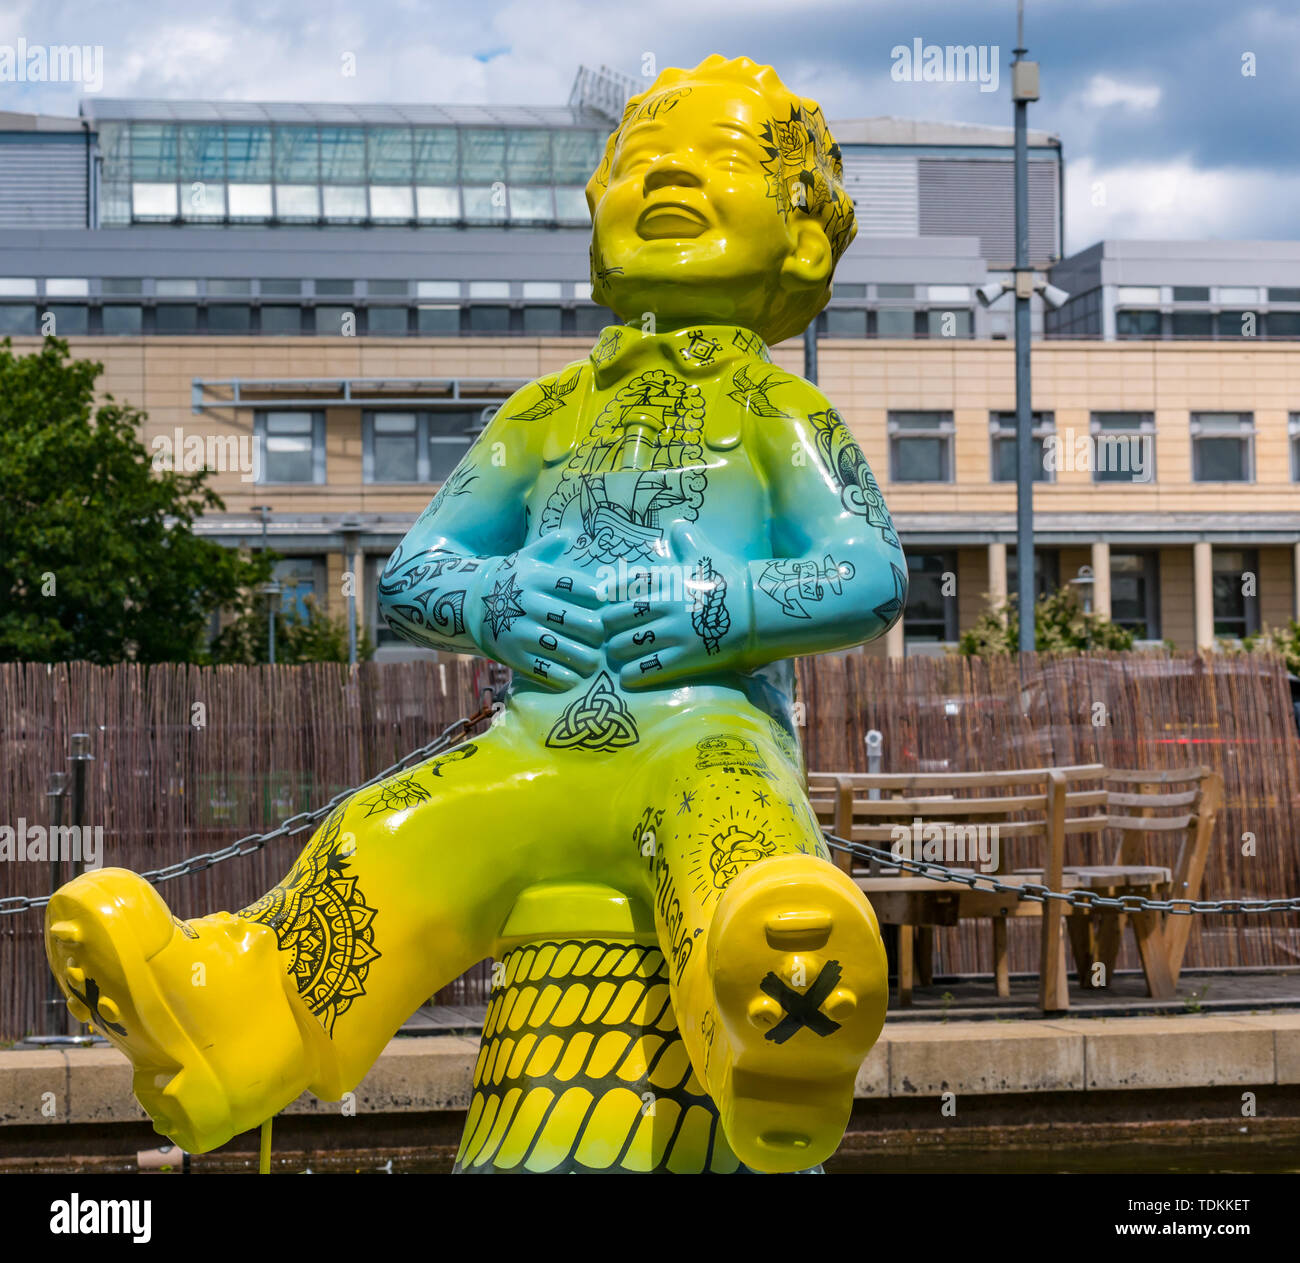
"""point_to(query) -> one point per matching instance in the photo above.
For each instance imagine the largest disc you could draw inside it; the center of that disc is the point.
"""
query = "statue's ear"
(809, 263)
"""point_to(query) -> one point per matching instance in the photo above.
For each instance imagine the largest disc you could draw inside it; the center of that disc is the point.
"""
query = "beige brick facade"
(865, 380)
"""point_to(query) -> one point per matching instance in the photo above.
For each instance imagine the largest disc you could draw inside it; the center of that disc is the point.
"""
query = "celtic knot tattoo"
(598, 720)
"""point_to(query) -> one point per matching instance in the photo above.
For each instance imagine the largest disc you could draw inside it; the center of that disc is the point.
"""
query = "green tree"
(100, 561)
(1283, 640)
(1060, 626)
(316, 638)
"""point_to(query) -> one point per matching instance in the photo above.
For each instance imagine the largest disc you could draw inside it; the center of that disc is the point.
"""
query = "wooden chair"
(1141, 804)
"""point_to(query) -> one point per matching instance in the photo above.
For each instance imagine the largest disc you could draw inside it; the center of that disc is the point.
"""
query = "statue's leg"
(777, 969)
(228, 1018)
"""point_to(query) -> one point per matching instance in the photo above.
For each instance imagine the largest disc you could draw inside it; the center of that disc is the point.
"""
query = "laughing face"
(696, 223)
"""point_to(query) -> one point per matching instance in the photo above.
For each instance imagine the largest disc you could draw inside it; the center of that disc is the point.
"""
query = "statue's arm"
(836, 576)
(459, 580)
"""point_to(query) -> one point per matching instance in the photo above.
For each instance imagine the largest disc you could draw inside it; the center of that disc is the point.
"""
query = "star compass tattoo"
(502, 605)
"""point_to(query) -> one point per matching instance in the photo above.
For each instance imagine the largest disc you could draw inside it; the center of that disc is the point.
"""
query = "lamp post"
(351, 530)
(269, 590)
(1024, 88)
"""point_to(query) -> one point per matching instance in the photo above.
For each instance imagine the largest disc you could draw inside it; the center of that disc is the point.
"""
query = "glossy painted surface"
(646, 538)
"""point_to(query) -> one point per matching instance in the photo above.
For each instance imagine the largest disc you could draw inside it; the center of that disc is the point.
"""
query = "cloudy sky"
(1148, 96)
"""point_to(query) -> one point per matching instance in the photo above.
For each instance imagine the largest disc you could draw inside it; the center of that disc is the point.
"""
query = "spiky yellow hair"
(804, 169)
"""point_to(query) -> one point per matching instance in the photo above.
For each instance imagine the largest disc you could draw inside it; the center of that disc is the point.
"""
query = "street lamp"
(1084, 581)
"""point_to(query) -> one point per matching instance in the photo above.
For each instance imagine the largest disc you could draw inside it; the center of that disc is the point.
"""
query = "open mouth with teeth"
(670, 220)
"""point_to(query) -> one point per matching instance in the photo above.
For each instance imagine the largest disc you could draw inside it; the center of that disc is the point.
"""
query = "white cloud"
(1103, 91)
(1169, 200)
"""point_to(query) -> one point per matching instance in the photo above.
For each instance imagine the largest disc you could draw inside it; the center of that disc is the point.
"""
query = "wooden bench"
(1047, 806)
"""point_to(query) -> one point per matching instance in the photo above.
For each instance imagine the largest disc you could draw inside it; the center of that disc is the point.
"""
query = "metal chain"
(254, 842)
(1027, 891)
(1037, 893)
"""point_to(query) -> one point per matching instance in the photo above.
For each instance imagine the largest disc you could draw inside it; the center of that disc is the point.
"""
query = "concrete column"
(1101, 578)
(894, 641)
(997, 574)
(1203, 593)
(1295, 584)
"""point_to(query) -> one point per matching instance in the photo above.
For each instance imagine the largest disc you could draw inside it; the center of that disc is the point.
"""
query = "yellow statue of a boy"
(685, 981)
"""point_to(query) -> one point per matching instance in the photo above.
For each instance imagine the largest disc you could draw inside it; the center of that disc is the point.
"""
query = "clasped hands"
(687, 614)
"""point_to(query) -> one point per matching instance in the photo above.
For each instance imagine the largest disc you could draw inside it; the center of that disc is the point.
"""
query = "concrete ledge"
(917, 1059)
(931, 1058)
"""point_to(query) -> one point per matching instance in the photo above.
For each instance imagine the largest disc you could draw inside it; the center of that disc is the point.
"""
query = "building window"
(67, 287)
(895, 322)
(302, 581)
(1002, 432)
(230, 318)
(1047, 571)
(1223, 447)
(437, 319)
(123, 321)
(489, 319)
(1191, 293)
(292, 446)
(948, 324)
(1192, 324)
(1293, 425)
(282, 320)
(68, 320)
(845, 322)
(388, 322)
(1123, 447)
(450, 435)
(931, 610)
(920, 446)
(336, 321)
(1236, 603)
(589, 321)
(17, 319)
(1135, 593)
(394, 447)
(406, 447)
(1237, 324)
(176, 318)
(542, 320)
(1283, 324)
(1137, 324)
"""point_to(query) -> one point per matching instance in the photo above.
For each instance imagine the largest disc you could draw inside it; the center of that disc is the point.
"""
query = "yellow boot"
(204, 1009)
(799, 987)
